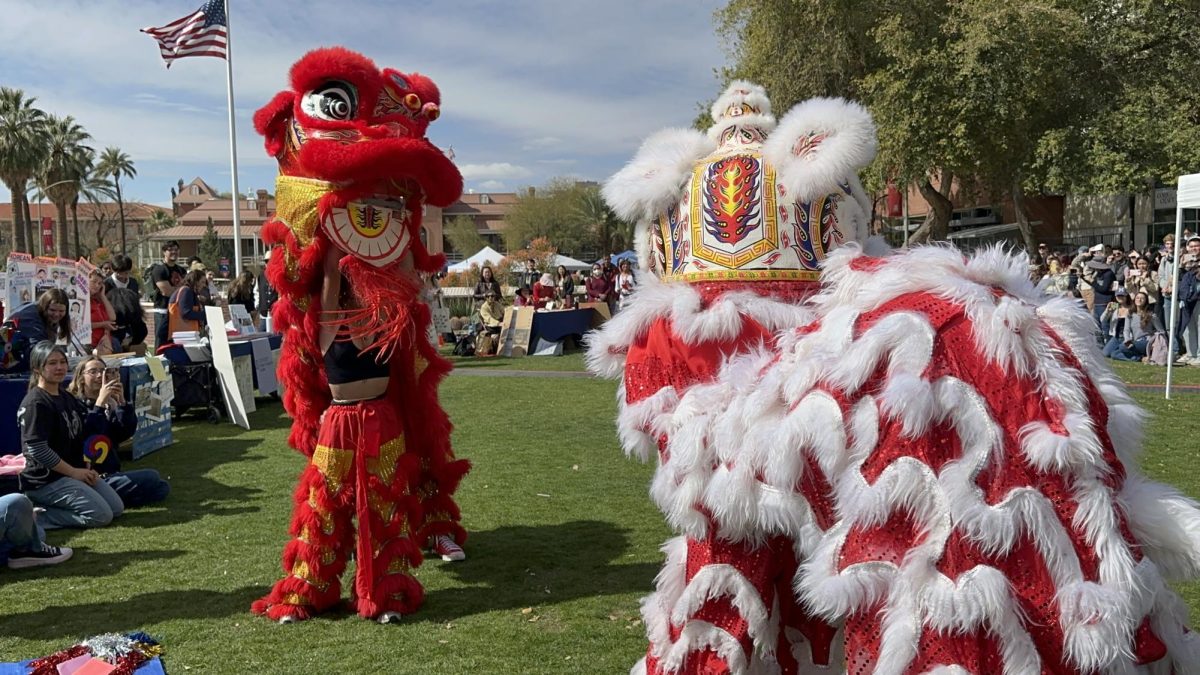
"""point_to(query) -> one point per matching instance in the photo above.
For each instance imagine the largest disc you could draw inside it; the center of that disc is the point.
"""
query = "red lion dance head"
(355, 171)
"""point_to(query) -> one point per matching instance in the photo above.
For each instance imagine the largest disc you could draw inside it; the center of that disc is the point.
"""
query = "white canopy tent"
(1188, 198)
(486, 255)
(570, 263)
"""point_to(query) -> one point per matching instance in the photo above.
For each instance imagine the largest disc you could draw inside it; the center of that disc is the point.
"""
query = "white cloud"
(494, 170)
(493, 185)
(528, 87)
(542, 143)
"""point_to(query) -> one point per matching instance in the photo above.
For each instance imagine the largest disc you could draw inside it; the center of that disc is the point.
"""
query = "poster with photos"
(26, 278)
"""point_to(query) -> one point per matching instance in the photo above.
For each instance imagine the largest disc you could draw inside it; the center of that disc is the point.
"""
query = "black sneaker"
(41, 556)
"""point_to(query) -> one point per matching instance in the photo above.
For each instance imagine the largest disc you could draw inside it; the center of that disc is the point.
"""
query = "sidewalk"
(1186, 388)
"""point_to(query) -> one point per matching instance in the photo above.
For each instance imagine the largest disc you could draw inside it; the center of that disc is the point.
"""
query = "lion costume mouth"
(373, 228)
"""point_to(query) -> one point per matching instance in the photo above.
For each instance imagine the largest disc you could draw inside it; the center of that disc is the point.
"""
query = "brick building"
(979, 219)
(98, 223)
(488, 210)
(194, 203)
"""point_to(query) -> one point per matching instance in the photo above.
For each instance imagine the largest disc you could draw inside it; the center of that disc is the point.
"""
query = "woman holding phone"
(55, 428)
(137, 487)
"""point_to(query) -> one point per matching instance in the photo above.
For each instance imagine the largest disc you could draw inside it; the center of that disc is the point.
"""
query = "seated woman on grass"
(137, 487)
(54, 428)
(1140, 328)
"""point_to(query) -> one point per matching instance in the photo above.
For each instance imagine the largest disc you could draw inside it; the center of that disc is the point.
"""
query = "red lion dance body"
(360, 376)
(878, 462)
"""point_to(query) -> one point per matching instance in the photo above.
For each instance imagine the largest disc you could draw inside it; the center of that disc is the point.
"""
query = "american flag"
(201, 33)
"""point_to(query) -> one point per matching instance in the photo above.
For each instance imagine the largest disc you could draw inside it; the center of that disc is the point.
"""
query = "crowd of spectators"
(1130, 295)
(69, 472)
(607, 283)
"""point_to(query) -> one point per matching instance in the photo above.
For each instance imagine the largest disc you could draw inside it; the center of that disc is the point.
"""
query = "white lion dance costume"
(887, 463)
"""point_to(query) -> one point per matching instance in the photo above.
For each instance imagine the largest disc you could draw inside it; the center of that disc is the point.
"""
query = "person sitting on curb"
(137, 487)
(22, 540)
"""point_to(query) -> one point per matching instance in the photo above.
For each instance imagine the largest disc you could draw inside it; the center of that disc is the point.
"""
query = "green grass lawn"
(565, 363)
(1141, 373)
(564, 542)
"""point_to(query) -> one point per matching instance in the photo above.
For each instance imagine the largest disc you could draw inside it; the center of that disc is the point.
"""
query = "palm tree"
(612, 234)
(22, 150)
(66, 167)
(115, 163)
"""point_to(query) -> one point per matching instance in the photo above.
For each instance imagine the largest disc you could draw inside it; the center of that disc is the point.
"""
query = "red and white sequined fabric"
(929, 471)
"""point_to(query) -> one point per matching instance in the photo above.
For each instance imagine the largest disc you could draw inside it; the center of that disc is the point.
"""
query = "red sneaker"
(444, 546)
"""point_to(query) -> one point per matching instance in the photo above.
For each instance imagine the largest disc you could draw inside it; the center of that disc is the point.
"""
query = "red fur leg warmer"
(322, 533)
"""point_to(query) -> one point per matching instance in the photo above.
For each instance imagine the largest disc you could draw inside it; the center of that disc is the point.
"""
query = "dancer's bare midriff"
(331, 296)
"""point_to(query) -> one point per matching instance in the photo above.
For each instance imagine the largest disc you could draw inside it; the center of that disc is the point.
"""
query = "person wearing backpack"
(166, 276)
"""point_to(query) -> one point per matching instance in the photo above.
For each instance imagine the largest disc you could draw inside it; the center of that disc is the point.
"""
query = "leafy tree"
(1150, 130)
(116, 164)
(854, 61)
(540, 250)
(211, 249)
(552, 212)
(1005, 97)
(22, 151)
(463, 236)
(67, 164)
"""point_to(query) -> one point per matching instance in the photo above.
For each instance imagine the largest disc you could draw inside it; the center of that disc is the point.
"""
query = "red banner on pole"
(47, 235)
(895, 201)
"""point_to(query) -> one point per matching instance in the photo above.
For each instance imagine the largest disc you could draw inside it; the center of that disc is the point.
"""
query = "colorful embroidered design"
(731, 198)
(727, 198)
(96, 448)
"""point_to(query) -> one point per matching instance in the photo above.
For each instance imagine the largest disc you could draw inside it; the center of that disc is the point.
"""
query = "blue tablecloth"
(243, 348)
(556, 325)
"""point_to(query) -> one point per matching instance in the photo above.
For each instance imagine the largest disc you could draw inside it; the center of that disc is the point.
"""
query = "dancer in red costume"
(360, 376)
(878, 462)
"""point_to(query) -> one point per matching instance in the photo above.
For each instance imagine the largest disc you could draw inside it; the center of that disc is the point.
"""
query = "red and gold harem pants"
(359, 477)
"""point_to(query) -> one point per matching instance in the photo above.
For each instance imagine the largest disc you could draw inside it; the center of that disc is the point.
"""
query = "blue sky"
(531, 89)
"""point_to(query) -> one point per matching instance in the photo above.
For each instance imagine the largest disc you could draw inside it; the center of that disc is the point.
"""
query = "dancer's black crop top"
(346, 363)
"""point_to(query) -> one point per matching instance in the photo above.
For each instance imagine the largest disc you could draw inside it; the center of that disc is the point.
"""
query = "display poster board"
(505, 338)
(548, 348)
(601, 315)
(264, 366)
(515, 331)
(27, 277)
(151, 405)
(241, 319)
(441, 319)
(243, 369)
(223, 362)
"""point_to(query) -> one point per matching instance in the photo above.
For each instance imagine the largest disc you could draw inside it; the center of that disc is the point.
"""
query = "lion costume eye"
(334, 101)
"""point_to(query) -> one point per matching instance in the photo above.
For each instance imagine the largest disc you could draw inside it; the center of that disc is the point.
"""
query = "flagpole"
(237, 195)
